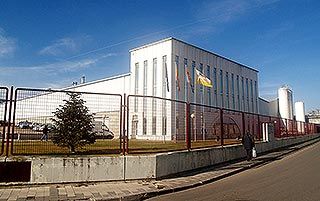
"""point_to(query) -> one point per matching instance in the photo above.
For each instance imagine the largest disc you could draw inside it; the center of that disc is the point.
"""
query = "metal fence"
(155, 124)
(134, 124)
(35, 108)
(3, 116)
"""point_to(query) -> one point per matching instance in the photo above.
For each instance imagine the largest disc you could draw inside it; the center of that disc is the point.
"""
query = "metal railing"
(34, 108)
(134, 124)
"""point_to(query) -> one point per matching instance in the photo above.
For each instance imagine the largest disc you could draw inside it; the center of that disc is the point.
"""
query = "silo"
(285, 102)
(300, 115)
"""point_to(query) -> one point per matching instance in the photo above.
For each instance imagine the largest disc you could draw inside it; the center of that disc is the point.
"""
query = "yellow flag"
(203, 80)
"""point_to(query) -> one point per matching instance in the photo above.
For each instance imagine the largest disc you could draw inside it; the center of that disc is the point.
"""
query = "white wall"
(192, 53)
(138, 57)
(171, 48)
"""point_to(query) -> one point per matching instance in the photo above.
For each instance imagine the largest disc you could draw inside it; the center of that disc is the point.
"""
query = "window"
(238, 93)
(154, 67)
(154, 125)
(193, 71)
(165, 88)
(209, 89)
(136, 82)
(251, 89)
(154, 93)
(186, 86)
(177, 77)
(144, 125)
(232, 91)
(256, 95)
(227, 89)
(165, 78)
(145, 74)
(201, 87)
(221, 88)
(242, 89)
(215, 85)
(247, 93)
(136, 86)
(145, 84)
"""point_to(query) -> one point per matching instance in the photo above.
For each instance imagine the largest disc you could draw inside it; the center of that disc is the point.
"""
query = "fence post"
(221, 127)
(6, 125)
(259, 128)
(243, 124)
(126, 137)
(287, 134)
(188, 127)
(9, 124)
(124, 131)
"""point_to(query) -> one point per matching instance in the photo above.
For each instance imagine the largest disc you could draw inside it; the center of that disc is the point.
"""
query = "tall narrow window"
(177, 77)
(165, 88)
(238, 93)
(186, 87)
(209, 89)
(242, 89)
(165, 78)
(247, 94)
(201, 87)
(154, 67)
(145, 84)
(145, 77)
(256, 95)
(154, 93)
(232, 91)
(221, 88)
(215, 86)
(251, 93)
(136, 86)
(227, 89)
(193, 81)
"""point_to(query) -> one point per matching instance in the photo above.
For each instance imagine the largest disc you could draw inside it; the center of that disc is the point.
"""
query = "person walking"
(45, 133)
(248, 144)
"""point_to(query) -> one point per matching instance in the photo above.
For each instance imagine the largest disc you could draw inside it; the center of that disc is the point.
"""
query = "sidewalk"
(137, 190)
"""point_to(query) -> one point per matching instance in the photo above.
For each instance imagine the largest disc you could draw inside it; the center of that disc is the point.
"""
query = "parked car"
(104, 133)
(24, 124)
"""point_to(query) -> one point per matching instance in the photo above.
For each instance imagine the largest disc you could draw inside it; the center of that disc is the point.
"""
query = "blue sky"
(53, 43)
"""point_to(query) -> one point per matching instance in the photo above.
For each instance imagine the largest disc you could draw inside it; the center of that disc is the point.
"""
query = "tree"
(73, 125)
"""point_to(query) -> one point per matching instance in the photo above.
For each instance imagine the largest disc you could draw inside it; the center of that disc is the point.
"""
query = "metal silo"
(285, 102)
(300, 115)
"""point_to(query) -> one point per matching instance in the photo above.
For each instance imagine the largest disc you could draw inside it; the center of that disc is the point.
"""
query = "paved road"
(295, 177)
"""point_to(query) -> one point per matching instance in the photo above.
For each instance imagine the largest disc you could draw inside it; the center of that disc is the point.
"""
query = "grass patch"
(110, 147)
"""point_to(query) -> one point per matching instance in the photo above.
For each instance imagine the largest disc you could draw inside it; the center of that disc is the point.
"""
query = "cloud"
(211, 15)
(276, 32)
(269, 90)
(64, 46)
(7, 44)
(58, 67)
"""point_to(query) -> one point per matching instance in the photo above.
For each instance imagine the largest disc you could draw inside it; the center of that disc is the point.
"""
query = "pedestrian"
(45, 133)
(248, 144)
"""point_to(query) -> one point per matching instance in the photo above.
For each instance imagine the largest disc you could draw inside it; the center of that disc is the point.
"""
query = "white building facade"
(160, 69)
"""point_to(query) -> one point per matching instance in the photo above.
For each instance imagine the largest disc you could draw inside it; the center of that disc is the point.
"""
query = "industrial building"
(168, 69)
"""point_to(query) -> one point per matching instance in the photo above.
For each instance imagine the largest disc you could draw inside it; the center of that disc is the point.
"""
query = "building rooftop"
(97, 81)
(172, 38)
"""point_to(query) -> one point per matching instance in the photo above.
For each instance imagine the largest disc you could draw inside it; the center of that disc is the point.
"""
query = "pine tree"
(73, 124)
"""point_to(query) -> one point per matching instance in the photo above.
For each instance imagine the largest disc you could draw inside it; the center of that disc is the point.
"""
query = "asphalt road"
(295, 177)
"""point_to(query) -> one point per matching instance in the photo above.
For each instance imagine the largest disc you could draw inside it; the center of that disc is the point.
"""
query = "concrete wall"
(173, 163)
(105, 168)
(264, 107)
(81, 169)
